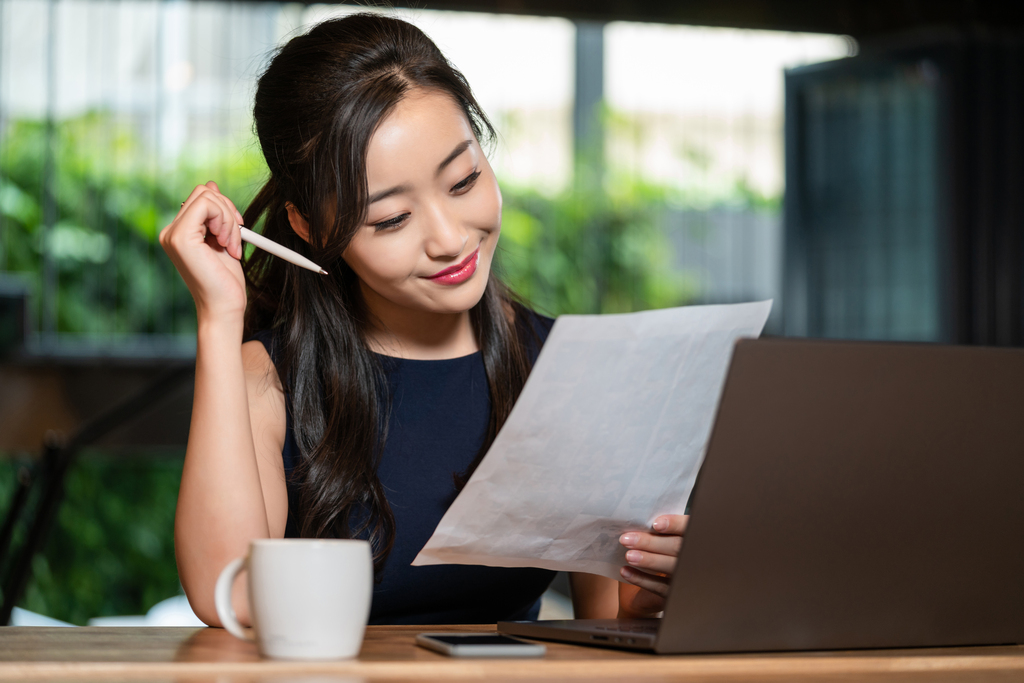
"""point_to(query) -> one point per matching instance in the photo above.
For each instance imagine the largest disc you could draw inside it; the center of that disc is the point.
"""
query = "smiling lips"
(457, 273)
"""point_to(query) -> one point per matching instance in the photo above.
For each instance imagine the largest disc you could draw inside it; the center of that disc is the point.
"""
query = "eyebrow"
(459, 149)
(399, 189)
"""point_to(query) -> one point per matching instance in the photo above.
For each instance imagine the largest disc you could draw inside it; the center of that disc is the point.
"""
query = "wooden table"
(389, 654)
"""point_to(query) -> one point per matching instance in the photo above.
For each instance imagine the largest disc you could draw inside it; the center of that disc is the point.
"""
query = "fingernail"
(634, 556)
(627, 572)
(629, 539)
(660, 524)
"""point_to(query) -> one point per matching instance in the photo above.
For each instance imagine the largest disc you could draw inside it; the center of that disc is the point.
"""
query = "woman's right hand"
(205, 245)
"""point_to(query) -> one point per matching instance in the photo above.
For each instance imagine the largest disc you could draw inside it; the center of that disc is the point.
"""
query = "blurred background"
(860, 163)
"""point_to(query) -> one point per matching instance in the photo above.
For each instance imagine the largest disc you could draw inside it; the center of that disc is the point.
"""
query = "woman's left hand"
(652, 559)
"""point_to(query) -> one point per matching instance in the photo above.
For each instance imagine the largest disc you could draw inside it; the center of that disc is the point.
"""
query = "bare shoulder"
(266, 400)
(260, 373)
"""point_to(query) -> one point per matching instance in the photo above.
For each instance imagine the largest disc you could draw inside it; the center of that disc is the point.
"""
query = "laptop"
(853, 495)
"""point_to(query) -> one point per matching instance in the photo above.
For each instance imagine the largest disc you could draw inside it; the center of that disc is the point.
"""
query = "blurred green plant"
(111, 200)
(591, 252)
(111, 551)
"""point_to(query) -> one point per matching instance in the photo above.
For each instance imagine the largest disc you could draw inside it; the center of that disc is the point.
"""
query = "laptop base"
(624, 634)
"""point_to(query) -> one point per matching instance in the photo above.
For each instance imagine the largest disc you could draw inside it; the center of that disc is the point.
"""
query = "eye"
(390, 223)
(466, 183)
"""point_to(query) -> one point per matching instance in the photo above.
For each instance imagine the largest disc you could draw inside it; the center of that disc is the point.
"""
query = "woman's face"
(434, 211)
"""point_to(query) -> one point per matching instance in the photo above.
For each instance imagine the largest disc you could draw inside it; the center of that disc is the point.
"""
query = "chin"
(459, 299)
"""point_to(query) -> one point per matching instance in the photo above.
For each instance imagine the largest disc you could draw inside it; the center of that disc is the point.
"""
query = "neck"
(416, 334)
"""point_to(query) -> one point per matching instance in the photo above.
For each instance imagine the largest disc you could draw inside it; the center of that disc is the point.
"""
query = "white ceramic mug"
(308, 598)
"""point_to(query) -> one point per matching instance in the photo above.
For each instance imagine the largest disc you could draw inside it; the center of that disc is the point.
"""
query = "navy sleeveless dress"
(438, 421)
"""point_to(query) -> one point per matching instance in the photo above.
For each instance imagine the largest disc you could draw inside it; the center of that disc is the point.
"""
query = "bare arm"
(598, 597)
(593, 596)
(232, 485)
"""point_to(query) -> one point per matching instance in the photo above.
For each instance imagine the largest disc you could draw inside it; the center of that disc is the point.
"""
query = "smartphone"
(479, 645)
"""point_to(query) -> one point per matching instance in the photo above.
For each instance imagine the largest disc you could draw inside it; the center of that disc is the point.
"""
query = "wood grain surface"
(390, 654)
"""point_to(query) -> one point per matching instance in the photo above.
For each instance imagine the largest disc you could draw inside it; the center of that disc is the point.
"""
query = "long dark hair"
(317, 106)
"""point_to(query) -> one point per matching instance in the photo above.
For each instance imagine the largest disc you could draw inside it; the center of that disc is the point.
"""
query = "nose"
(445, 236)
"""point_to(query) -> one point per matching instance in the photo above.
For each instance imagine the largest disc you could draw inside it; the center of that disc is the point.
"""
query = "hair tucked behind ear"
(317, 106)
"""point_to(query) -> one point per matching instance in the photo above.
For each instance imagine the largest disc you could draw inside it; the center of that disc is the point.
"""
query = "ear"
(298, 222)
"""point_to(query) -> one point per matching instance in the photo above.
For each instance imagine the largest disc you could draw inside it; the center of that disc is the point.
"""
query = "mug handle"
(222, 599)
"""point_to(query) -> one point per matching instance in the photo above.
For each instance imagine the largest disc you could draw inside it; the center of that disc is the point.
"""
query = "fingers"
(221, 221)
(654, 543)
(656, 552)
(651, 582)
(219, 216)
(654, 562)
(198, 191)
(235, 246)
(671, 524)
(667, 541)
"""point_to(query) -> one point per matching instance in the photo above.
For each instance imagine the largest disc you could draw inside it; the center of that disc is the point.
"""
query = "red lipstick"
(457, 273)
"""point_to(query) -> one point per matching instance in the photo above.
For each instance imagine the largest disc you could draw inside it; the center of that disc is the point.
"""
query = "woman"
(365, 397)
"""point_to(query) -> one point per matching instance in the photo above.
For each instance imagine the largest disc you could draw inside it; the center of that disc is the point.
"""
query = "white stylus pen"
(276, 249)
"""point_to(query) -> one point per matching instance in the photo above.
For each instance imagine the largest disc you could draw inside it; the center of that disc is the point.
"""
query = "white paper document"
(608, 433)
